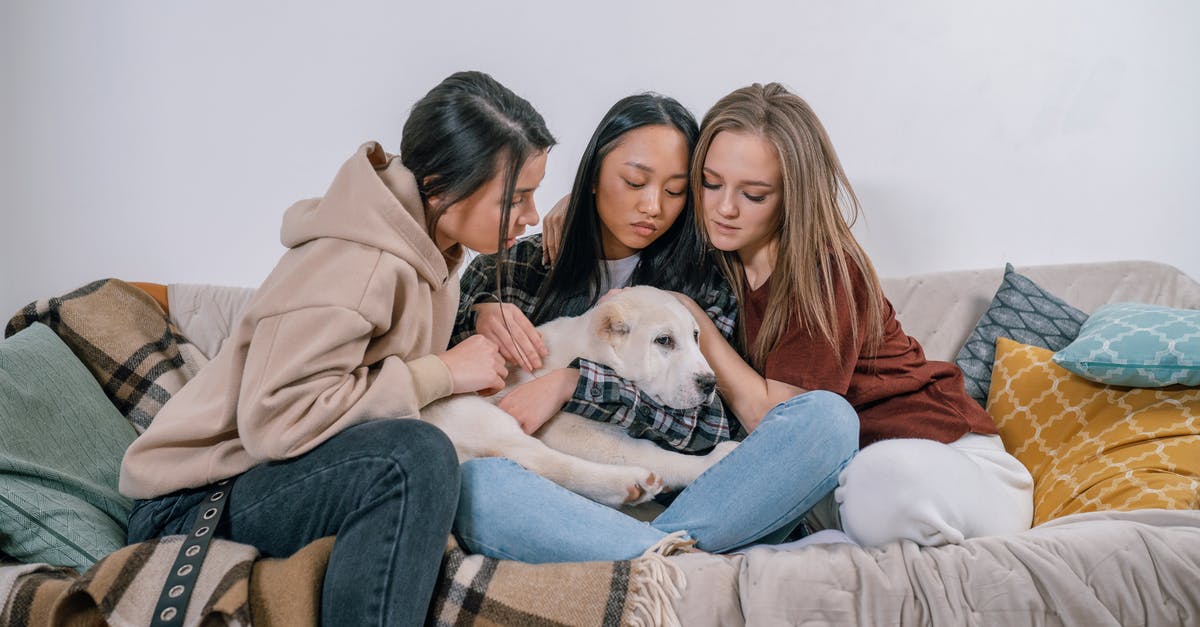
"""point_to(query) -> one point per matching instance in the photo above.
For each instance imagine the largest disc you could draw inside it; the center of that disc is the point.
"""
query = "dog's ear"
(611, 321)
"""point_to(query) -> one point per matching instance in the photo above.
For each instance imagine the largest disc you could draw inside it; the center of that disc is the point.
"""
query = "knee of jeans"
(420, 448)
(823, 415)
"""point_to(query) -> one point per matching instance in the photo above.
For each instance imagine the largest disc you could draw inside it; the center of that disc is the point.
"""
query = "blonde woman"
(774, 202)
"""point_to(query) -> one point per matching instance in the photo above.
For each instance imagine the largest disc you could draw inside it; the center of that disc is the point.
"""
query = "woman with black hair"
(629, 221)
(298, 414)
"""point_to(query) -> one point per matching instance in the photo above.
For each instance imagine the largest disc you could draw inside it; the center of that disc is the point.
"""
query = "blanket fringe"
(655, 583)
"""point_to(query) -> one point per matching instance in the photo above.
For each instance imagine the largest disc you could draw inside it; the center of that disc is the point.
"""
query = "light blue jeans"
(758, 493)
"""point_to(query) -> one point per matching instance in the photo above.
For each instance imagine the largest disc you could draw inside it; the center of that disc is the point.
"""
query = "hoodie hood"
(374, 201)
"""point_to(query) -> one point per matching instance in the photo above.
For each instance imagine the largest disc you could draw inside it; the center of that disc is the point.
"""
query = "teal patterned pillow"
(1021, 311)
(1137, 345)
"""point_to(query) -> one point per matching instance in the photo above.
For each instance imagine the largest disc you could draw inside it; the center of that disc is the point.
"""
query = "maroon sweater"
(896, 391)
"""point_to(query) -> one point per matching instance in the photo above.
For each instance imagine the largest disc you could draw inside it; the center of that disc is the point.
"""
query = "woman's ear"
(432, 200)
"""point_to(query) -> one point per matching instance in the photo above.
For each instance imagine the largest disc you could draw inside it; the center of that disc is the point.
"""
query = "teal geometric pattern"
(1137, 345)
(1021, 311)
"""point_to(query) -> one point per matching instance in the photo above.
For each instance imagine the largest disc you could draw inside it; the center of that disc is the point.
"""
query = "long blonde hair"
(816, 248)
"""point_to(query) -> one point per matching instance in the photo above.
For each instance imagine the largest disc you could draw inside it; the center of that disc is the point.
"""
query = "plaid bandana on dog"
(601, 394)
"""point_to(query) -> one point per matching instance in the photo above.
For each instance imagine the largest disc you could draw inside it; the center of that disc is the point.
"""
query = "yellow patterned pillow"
(1094, 447)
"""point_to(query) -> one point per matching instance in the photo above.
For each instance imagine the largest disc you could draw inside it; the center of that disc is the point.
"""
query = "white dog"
(647, 337)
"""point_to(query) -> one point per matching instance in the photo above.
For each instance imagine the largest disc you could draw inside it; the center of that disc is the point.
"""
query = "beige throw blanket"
(1097, 569)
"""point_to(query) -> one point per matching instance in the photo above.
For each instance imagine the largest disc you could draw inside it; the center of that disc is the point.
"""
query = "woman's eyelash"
(675, 194)
(751, 198)
(634, 185)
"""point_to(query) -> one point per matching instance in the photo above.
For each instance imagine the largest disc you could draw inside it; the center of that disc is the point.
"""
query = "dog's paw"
(646, 486)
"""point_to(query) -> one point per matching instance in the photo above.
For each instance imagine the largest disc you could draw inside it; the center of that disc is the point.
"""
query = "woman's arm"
(507, 324)
(747, 393)
(304, 379)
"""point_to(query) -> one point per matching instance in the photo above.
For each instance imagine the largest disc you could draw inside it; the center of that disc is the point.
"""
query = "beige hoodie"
(341, 332)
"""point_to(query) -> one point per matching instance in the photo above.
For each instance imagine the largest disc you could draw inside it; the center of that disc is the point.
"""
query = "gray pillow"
(1021, 311)
(61, 444)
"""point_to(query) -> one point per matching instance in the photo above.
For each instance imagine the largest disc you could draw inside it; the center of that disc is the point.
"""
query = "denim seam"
(387, 581)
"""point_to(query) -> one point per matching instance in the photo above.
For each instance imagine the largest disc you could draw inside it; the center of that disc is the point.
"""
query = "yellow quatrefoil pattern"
(1090, 446)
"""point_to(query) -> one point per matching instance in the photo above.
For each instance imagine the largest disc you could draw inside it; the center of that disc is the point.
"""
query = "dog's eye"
(696, 335)
(665, 340)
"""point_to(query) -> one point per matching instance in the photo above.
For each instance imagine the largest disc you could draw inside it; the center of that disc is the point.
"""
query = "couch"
(1095, 564)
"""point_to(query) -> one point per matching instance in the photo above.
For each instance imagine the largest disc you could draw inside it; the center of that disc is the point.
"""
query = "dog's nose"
(706, 382)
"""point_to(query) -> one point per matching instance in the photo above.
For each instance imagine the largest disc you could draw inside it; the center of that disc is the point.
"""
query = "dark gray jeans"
(386, 488)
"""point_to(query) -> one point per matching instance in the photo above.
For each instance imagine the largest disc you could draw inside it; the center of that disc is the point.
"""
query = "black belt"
(181, 581)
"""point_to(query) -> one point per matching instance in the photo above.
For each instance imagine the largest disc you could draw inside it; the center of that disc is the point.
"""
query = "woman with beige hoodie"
(302, 408)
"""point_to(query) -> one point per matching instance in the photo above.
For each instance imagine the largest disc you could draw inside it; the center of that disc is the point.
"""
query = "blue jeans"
(759, 492)
(386, 488)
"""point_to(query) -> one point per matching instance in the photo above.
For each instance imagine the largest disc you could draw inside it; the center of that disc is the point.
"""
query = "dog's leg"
(610, 484)
(609, 444)
(480, 429)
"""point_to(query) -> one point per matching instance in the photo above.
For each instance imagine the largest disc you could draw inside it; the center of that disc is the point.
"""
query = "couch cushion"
(1138, 345)
(61, 443)
(1093, 447)
(1020, 310)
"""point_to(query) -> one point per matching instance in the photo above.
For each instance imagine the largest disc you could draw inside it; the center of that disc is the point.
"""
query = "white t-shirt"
(619, 272)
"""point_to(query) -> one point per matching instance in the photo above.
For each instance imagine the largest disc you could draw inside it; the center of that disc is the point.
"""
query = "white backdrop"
(161, 141)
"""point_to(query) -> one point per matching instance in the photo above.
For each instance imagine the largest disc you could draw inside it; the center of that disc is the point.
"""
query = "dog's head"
(654, 342)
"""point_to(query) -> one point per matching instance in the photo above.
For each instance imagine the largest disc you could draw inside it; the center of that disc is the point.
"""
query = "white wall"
(161, 141)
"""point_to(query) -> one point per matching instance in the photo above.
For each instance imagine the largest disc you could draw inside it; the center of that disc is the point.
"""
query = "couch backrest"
(939, 309)
(206, 313)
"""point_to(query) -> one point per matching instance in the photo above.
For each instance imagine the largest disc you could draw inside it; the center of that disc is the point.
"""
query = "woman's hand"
(524, 346)
(537, 401)
(610, 292)
(745, 390)
(475, 365)
(552, 230)
(691, 305)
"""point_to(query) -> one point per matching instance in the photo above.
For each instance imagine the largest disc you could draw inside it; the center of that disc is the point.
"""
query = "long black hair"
(458, 135)
(675, 261)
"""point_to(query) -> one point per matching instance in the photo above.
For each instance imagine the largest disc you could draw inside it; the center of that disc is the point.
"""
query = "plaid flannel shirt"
(601, 394)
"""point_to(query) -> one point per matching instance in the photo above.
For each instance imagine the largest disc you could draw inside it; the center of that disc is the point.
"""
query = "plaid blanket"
(233, 589)
(477, 590)
(237, 589)
(124, 338)
(140, 359)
